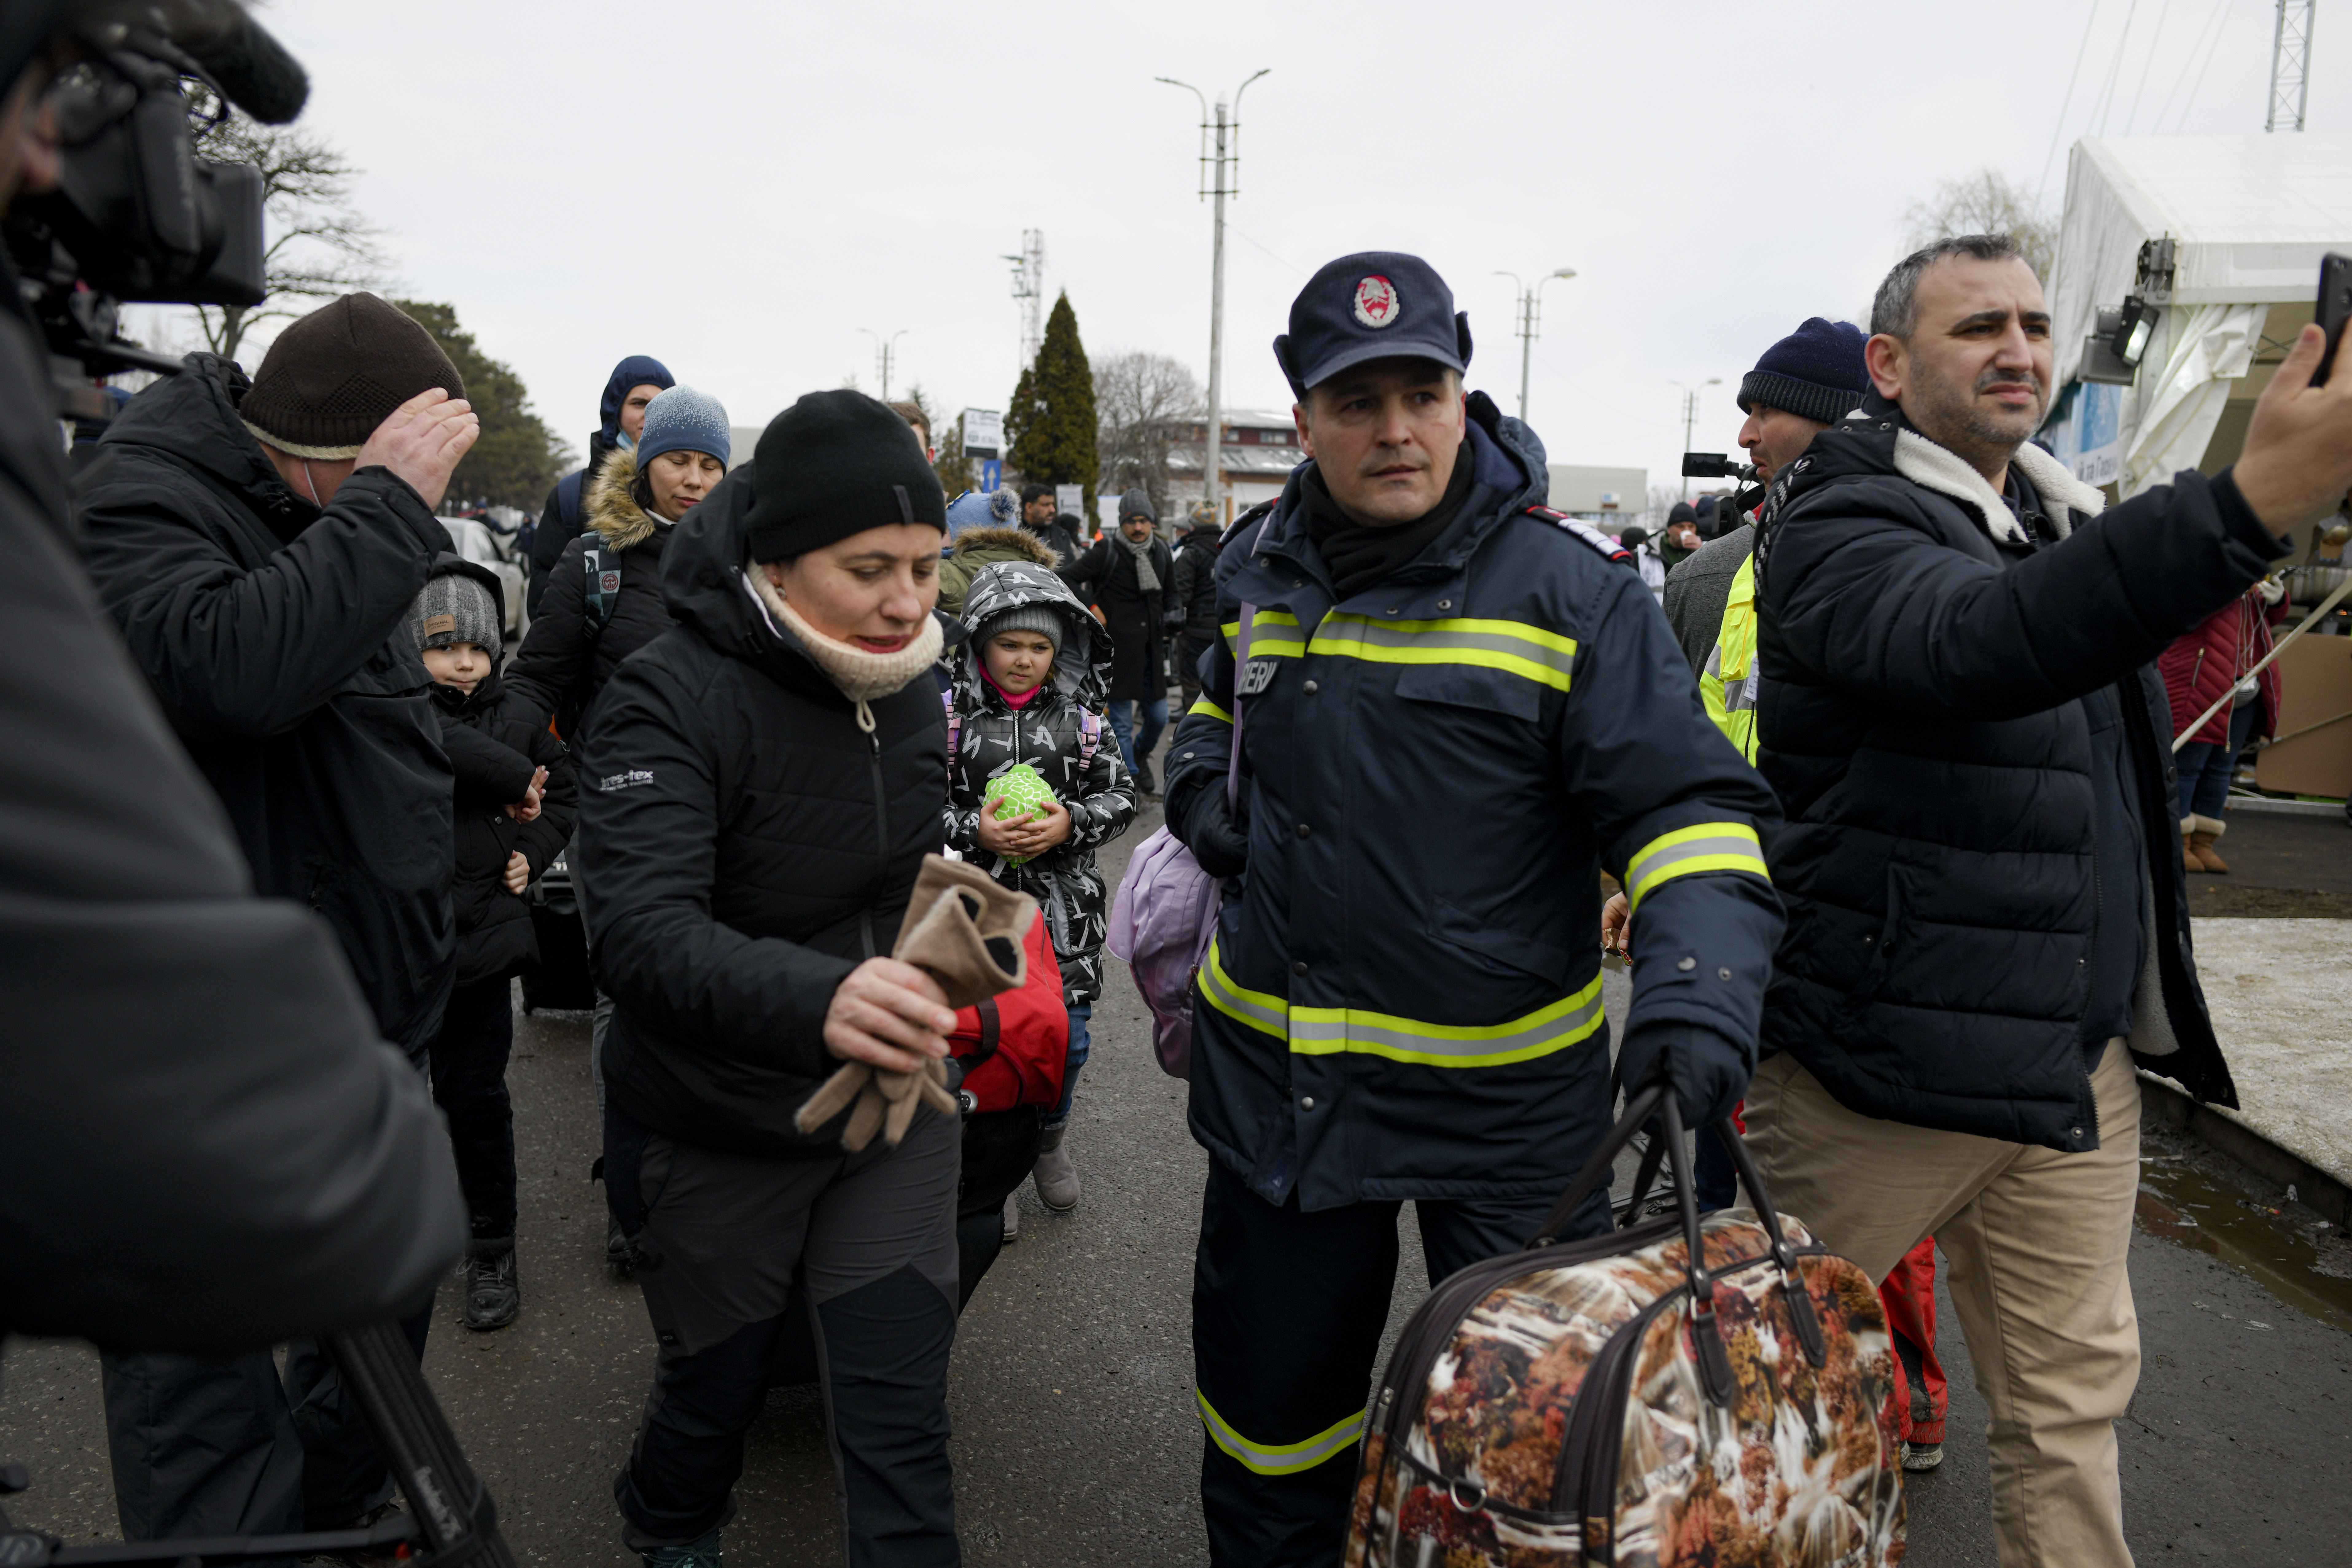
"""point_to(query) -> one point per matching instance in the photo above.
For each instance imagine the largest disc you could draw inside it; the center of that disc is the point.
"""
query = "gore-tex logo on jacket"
(629, 779)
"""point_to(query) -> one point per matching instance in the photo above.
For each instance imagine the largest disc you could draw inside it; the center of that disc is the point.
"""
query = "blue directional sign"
(991, 474)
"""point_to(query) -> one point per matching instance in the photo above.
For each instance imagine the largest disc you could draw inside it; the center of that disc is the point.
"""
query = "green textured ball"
(1019, 790)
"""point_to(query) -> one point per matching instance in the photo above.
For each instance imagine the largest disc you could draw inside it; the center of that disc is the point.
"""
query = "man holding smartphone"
(1987, 924)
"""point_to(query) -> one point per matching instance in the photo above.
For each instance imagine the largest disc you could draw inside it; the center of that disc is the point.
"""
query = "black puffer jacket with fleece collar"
(1921, 715)
(743, 846)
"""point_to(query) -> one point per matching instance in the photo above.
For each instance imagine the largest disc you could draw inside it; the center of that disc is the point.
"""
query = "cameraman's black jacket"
(1921, 715)
(274, 635)
(743, 846)
(203, 1146)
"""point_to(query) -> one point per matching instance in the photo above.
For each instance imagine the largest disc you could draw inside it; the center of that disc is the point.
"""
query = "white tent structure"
(2248, 217)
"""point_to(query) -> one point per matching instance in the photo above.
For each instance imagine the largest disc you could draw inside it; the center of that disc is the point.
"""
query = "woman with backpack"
(1028, 691)
(604, 602)
(603, 598)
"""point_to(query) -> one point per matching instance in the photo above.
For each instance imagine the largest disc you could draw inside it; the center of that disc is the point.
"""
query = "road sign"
(991, 474)
(983, 432)
(1071, 499)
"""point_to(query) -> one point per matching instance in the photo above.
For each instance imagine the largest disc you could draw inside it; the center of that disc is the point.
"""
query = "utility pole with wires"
(1225, 132)
(1690, 417)
(1029, 291)
(885, 350)
(1530, 303)
(2290, 65)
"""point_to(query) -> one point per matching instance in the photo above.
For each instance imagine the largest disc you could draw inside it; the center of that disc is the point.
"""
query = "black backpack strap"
(602, 589)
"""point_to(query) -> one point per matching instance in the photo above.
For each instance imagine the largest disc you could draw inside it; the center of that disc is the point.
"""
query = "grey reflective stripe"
(1657, 860)
(1254, 1008)
(1311, 1026)
(1714, 662)
(1280, 1459)
(1740, 698)
(1332, 637)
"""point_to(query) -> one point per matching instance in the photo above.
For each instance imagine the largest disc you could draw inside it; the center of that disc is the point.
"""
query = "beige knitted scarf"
(859, 675)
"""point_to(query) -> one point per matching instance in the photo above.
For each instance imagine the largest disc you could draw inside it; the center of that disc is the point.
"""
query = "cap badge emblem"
(1376, 302)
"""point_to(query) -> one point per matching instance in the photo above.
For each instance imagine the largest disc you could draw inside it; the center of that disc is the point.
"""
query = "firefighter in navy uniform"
(1456, 708)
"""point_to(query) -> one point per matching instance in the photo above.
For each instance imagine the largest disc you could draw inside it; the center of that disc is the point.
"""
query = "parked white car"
(474, 540)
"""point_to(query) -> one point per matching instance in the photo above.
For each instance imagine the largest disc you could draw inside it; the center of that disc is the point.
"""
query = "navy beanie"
(637, 370)
(1682, 512)
(1815, 373)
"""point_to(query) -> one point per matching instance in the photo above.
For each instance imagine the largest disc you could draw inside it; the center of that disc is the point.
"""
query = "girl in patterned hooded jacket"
(1029, 688)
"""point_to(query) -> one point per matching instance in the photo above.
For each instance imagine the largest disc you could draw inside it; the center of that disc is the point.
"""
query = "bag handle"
(1656, 1099)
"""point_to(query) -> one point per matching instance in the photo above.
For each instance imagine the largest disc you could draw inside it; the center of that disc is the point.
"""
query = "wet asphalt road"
(1076, 1439)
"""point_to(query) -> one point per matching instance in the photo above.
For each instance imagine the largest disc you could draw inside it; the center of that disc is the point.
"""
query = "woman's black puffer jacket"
(570, 651)
(743, 846)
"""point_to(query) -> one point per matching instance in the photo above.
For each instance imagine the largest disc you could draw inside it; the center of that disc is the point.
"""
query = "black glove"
(1708, 1072)
(1216, 841)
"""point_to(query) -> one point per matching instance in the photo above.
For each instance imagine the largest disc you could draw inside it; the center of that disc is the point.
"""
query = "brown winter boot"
(2200, 844)
(2189, 861)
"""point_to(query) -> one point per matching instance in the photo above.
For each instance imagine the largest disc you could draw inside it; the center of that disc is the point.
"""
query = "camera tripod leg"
(453, 1512)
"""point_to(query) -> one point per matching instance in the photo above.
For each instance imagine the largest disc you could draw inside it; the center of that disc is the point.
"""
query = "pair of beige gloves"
(965, 932)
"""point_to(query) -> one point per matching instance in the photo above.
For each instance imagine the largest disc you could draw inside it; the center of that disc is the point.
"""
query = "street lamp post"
(1690, 417)
(1226, 129)
(1530, 302)
(884, 349)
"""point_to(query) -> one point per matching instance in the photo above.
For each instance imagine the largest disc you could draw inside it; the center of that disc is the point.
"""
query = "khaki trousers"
(2037, 1244)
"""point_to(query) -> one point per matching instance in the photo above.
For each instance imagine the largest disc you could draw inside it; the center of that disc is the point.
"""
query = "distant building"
(1607, 498)
(1258, 449)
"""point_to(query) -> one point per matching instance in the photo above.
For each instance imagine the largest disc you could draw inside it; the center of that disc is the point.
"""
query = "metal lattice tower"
(1029, 289)
(2290, 65)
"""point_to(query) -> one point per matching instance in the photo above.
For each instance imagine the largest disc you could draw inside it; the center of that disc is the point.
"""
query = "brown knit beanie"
(337, 373)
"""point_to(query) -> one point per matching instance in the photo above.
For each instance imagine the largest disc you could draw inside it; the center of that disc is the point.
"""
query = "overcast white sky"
(737, 186)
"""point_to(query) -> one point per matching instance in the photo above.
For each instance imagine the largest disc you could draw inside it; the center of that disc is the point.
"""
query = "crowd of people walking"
(1864, 772)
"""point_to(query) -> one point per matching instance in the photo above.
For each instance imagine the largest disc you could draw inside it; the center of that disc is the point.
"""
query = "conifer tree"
(518, 458)
(1051, 422)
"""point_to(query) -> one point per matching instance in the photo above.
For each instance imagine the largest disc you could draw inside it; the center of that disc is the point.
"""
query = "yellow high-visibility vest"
(1728, 682)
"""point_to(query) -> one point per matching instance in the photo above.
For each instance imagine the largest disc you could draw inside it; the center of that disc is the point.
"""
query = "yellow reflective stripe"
(1513, 647)
(1280, 1459)
(1331, 1031)
(1268, 1015)
(1209, 709)
(1265, 635)
(1325, 1031)
(1702, 846)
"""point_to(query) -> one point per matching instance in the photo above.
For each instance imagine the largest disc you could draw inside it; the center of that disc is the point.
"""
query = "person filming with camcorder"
(207, 1145)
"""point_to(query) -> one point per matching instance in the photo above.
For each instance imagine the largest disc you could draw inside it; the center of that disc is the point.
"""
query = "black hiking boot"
(493, 1292)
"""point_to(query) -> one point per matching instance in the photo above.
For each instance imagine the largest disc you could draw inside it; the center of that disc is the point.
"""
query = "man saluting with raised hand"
(1456, 708)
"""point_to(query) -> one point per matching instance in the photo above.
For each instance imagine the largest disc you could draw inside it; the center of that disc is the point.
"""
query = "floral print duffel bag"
(1605, 1402)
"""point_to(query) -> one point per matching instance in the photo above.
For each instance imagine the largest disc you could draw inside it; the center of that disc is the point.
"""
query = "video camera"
(1715, 465)
(137, 218)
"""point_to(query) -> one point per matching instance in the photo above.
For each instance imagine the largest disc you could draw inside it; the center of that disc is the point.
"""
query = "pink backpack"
(1165, 913)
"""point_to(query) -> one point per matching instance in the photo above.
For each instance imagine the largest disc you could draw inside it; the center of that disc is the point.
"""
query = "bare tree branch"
(318, 244)
(1986, 203)
(1139, 399)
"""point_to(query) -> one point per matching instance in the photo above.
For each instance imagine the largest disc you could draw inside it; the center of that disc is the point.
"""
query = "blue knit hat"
(1815, 373)
(683, 420)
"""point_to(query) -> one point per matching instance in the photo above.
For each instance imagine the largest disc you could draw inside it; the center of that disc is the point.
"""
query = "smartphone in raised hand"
(2335, 308)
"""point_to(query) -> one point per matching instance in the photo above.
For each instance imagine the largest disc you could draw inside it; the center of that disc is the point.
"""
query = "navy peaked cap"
(1375, 304)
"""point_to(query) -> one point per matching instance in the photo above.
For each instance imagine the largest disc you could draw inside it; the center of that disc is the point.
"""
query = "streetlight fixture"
(1216, 163)
(1531, 302)
(884, 349)
(1690, 417)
